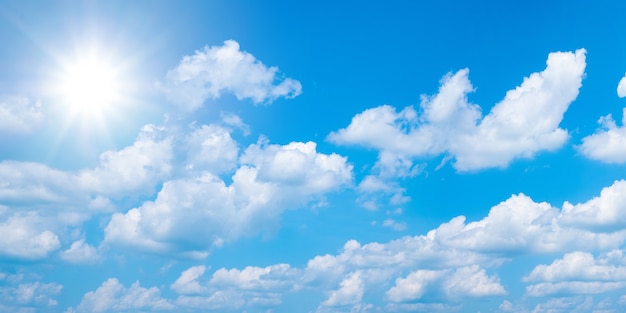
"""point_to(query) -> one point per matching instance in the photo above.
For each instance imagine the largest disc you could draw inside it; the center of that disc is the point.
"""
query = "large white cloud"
(195, 213)
(19, 115)
(608, 144)
(212, 71)
(523, 124)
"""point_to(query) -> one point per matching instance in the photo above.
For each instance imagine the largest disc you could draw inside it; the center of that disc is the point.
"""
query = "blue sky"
(245, 156)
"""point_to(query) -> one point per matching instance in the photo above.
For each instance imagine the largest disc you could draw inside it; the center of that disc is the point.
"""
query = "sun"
(89, 86)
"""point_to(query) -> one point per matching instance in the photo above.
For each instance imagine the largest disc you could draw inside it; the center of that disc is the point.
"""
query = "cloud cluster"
(437, 271)
(523, 124)
(212, 71)
(193, 214)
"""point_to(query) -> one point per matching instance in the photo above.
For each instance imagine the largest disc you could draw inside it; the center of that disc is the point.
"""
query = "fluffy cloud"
(521, 225)
(196, 213)
(211, 148)
(25, 236)
(80, 252)
(232, 288)
(470, 281)
(608, 144)
(19, 115)
(579, 273)
(17, 295)
(214, 70)
(350, 291)
(524, 123)
(134, 168)
(131, 170)
(187, 283)
(112, 296)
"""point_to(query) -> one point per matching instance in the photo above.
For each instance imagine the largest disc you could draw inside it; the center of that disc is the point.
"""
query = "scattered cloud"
(18, 294)
(607, 144)
(81, 252)
(214, 70)
(523, 124)
(19, 115)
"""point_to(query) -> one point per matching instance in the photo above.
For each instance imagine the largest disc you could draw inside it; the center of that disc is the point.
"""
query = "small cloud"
(621, 87)
(216, 70)
(394, 225)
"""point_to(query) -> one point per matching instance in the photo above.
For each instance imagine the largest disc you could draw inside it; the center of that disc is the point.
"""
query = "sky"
(312, 156)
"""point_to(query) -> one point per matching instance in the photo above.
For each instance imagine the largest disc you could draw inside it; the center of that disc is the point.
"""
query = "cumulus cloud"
(80, 252)
(19, 115)
(521, 225)
(523, 124)
(608, 144)
(25, 236)
(350, 291)
(215, 70)
(17, 294)
(193, 214)
(233, 288)
(137, 167)
(470, 281)
(112, 296)
(211, 148)
(131, 170)
(579, 273)
(187, 283)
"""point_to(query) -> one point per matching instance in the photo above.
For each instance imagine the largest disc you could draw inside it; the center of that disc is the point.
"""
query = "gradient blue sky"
(248, 156)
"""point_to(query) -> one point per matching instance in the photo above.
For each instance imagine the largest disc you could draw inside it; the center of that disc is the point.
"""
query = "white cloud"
(215, 70)
(470, 281)
(608, 144)
(25, 237)
(621, 87)
(19, 115)
(521, 225)
(80, 252)
(273, 277)
(135, 168)
(233, 288)
(579, 273)
(397, 226)
(234, 120)
(17, 295)
(193, 214)
(211, 148)
(523, 124)
(112, 296)
(350, 291)
(187, 283)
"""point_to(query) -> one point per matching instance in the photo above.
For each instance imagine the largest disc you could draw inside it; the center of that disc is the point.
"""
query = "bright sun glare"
(89, 86)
